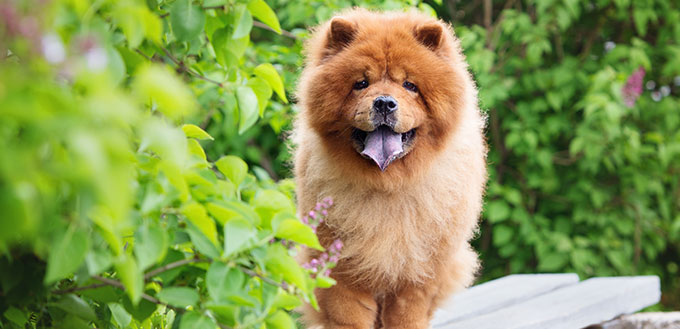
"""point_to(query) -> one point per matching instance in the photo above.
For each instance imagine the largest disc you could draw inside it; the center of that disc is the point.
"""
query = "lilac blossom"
(323, 263)
(633, 88)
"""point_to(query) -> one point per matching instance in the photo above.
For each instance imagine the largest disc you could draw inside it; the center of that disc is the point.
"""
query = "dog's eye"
(410, 86)
(361, 84)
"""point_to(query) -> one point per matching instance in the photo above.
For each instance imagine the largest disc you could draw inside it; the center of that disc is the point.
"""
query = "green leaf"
(179, 296)
(280, 320)
(227, 49)
(233, 168)
(122, 317)
(279, 261)
(324, 281)
(263, 92)
(237, 233)
(225, 313)
(245, 23)
(193, 320)
(267, 72)
(194, 131)
(196, 150)
(223, 281)
(98, 260)
(286, 301)
(225, 211)
(157, 83)
(269, 202)
(131, 277)
(71, 321)
(202, 243)
(142, 310)
(105, 294)
(187, 20)
(497, 210)
(131, 21)
(502, 234)
(16, 316)
(248, 108)
(553, 262)
(150, 245)
(76, 306)
(174, 175)
(294, 230)
(67, 255)
(264, 13)
(197, 215)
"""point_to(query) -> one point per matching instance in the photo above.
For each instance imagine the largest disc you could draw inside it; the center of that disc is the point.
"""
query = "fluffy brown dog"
(389, 128)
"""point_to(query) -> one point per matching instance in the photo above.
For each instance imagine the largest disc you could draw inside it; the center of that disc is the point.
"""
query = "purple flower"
(632, 90)
(324, 212)
(336, 246)
(312, 214)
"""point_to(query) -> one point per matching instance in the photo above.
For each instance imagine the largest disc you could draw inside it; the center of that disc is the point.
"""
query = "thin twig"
(182, 262)
(144, 55)
(119, 285)
(187, 69)
(266, 27)
(74, 289)
(108, 281)
(283, 285)
(488, 10)
(170, 266)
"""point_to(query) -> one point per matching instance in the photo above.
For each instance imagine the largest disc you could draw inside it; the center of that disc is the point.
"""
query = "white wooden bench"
(554, 301)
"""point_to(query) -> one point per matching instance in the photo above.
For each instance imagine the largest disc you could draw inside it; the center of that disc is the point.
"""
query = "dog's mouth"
(383, 145)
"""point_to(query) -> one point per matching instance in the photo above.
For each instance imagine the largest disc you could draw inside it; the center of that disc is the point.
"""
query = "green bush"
(112, 214)
(584, 175)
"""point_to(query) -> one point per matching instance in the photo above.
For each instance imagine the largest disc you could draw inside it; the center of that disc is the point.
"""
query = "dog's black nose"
(385, 104)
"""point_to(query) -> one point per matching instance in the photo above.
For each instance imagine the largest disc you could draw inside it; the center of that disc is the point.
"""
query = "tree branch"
(170, 266)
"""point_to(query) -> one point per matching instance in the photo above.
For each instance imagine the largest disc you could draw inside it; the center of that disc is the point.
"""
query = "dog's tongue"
(382, 145)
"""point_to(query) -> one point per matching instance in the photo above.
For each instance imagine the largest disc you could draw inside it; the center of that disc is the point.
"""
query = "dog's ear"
(431, 35)
(340, 34)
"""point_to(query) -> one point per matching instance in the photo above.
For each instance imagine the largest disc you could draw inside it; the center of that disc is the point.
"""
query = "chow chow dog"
(390, 129)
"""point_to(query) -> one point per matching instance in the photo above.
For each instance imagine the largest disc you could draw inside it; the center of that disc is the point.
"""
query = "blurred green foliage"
(115, 117)
(584, 175)
(112, 215)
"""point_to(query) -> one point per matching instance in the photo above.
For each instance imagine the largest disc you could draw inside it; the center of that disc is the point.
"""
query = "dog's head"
(384, 90)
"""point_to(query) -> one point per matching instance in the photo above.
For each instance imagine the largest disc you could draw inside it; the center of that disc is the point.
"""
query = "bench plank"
(499, 293)
(574, 306)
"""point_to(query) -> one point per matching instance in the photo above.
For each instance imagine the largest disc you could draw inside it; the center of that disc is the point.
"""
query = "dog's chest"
(392, 237)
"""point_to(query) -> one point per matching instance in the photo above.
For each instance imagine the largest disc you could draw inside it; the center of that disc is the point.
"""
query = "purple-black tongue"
(383, 146)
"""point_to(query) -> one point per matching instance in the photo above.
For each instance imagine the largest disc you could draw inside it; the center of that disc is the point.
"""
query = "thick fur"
(406, 230)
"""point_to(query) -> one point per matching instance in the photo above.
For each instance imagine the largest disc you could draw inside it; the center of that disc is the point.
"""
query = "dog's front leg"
(409, 308)
(346, 307)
